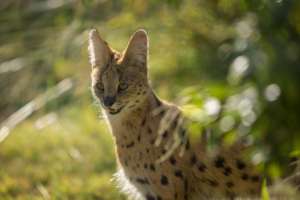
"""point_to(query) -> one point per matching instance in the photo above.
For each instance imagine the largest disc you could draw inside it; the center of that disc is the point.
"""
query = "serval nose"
(109, 101)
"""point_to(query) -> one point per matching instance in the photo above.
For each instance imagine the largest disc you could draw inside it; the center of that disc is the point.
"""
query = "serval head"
(119, 80)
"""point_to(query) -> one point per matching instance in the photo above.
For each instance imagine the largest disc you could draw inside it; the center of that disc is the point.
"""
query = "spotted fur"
(156, 160)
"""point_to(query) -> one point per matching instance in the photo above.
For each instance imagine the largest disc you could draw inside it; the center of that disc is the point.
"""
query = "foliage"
(232, 65)
(265, 194)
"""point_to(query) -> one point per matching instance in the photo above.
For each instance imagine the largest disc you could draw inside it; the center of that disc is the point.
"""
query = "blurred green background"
(234, 66)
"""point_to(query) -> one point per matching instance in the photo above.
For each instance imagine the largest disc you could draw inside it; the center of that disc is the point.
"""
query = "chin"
(115, 111)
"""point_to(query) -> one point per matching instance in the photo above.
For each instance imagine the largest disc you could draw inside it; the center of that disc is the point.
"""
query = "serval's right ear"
(99, 51)
(136, 53)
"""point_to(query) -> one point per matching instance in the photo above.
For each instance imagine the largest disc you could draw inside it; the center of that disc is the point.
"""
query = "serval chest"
(138, 156)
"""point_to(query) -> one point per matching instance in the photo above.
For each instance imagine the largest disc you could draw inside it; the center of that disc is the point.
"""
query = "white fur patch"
(125, 186)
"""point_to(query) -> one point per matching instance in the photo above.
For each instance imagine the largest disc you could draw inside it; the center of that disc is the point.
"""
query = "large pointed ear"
(136, 53)
(99, 52)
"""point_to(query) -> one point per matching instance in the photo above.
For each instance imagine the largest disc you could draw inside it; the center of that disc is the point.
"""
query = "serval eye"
(99, 86)
(123, 86)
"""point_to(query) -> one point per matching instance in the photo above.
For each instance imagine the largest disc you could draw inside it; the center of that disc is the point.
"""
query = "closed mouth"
(113, 112)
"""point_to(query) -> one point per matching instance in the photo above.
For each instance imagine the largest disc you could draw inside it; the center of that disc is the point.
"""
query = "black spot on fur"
(213, 183)
(150, 197)
(230, 194)
(152, 167)
(229, 184)
(146, 166)
(186, 186)
(240, 164)
(255, 178)
(152, 141)
(219, 162)
(178, 173)
(162, 113)
(139, 138)
(201, 167)
(227, 171)
(143, 181)
(165, 134)
(182, 132)
(143, 122)
(174, 123)
(149, 130)
(131, 144)
(175, 195)
(185, 197)
(187, 145)
(159, 198)
(193, 159)
(173, 160)
(245, 176)
(164, 180)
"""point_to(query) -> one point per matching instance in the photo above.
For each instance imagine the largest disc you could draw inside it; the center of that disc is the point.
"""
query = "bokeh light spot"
(272, 92)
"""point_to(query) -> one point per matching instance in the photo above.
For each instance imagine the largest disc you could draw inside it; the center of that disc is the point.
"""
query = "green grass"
(72, 158)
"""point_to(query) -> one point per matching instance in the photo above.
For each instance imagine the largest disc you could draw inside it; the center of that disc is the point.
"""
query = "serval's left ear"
(136, 53)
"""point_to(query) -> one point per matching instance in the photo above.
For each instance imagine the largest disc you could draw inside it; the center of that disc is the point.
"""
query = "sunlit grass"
(71, 158)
